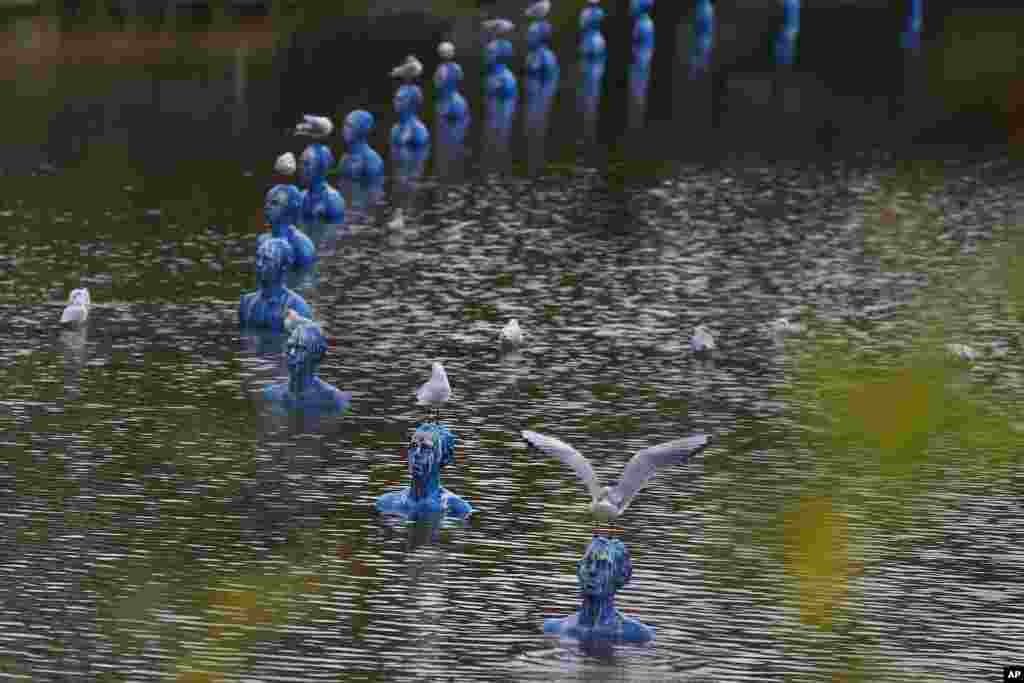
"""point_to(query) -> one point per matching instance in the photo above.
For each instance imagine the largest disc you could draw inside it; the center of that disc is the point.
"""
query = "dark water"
(158, 521)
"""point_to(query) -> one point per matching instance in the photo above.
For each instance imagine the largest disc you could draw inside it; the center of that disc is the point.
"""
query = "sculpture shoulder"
(454, 505)
(634, 631)
(296, 302)
(395, 502)
(332, 398)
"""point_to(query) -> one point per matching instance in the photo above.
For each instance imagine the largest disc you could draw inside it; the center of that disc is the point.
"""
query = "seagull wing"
(74, 314)
(642, 466)
(568, 455)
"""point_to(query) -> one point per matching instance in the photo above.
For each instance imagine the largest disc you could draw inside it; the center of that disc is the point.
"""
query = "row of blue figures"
(703, 38)
(603, 570)
(500, 82)
(643, 25)
(409, 131)
(592, 43)
(432, 447)
(322, 205)
(305, 391)
(785, 43)
(541, 63)
(911, 36)
(451, 105)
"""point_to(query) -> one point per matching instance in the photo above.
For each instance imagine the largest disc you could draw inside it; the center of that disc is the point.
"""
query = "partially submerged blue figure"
(267, 307)
(432, 447)
(281, 208)
(500, 113)
(322, 205)
(541, 62)
(409, 131)
(304, 390)
(643, 25)
(592, 43)
(604, 569)
(539, 95)
(639, 78)
(361, 163)
(703, 38)
(451, 105)
(589, 93)
(785, 43)
(501, 82)
(910, 39)
(451, 147)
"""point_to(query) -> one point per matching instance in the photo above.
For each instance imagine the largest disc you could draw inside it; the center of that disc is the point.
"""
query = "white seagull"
(511, 333)
(314, 126)
(285, 164)
(77, 311)
(961, 351)
(538, 10)
(408, 70)
(436, 391)
(446, 50)
(702, 340)
(498, 26)
(607, 503)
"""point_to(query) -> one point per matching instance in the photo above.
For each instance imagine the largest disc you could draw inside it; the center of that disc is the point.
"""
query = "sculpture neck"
(426, 487)
(282, 229)
(358, 146)
(317, 185)
(598, 610)
(302, 380)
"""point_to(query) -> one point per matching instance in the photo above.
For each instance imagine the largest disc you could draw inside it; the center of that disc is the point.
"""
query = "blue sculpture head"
(315, 162)
(357, 127)
(498, 51)
(638, 7)
(604, 568)
(282, 205)
(408, 100)
(432, 447)
(591, 17)
(305, 349)
(538, 34)
(273, 260)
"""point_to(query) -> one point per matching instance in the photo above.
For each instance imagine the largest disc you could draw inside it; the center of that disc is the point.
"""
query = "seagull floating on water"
(607, 503)
(408, 70)
(285, 164)
(781, 326)
(702, 340)
(436, 391)
(538, 10)
(511, 333)
(314, 126)
(498, 26)
(77, 311)
(398, 220)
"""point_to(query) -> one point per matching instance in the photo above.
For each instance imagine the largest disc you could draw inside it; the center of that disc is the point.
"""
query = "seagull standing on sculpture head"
(538, 10)
(498, 27)
(314, 126)
(607, 503)
(435, 391)
(409, 70)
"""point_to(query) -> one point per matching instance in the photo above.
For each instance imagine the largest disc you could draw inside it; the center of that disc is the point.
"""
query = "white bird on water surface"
(314, 126)
(538, 10)
(408, 70)
(702, 340)
(436, 391)
(77, 311)
(512, 333)
(607, 503)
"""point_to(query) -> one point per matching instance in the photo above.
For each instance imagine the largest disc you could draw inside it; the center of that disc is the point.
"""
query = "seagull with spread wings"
(609, 502)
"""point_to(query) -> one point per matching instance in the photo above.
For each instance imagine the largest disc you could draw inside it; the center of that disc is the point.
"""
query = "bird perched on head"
(498, 26)
(446, 50)
(436, 391)
(607, 503)
(77, 311)
(511, 333)
(408, 70)
(539, 10)
(314, 126)
(285, 164)
(702, 341)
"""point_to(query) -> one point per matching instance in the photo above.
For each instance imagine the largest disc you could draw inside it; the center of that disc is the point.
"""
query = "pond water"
(159, 521)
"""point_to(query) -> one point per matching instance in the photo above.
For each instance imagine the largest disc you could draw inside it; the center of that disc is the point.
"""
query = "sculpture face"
(407, 99)
(282, 204)
(314, 163)
(272, 262)
(428, 452)
(305, 349)
(358, 125)
(604, 568)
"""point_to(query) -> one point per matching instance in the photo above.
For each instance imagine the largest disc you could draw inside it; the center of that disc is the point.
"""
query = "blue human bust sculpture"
(785, 42)
(592, 43)
(267, 307)
(432, 447)
(281, 208)
(703, 38)
(541, 62)
(409, 131)
(602, 571)
(304, 390)
(322, 204)
(451, 105)
(361, 163)
(500, 80)
(643, 25)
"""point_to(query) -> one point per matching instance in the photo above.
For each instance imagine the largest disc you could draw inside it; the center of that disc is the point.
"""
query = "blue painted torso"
(267, 309)
(361, 163)
(541, 62)
(303, 251)
(322, 204)
(450, 102)
(409, 131)
(643, 25)
(592, 43)
(319, 397)
(500, 80)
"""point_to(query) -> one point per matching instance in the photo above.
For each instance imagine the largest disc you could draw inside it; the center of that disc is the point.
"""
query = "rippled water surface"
(159, 521)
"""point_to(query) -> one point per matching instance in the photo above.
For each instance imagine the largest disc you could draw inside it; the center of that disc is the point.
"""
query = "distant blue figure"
(322, 205)
(703, 38)
(785, 43)
(500, 114)
(643, 25)
(432, 447)
(361, 163)
(267, 307)
(604, 569)
(451, 146)
(304, 390)
(639, 78)
(500, 80)
(451, 104)
(541, 62)
(281, 208)
(592, 43)
(589, 93)
(910, 39)
(409, 131)
(539, 96)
